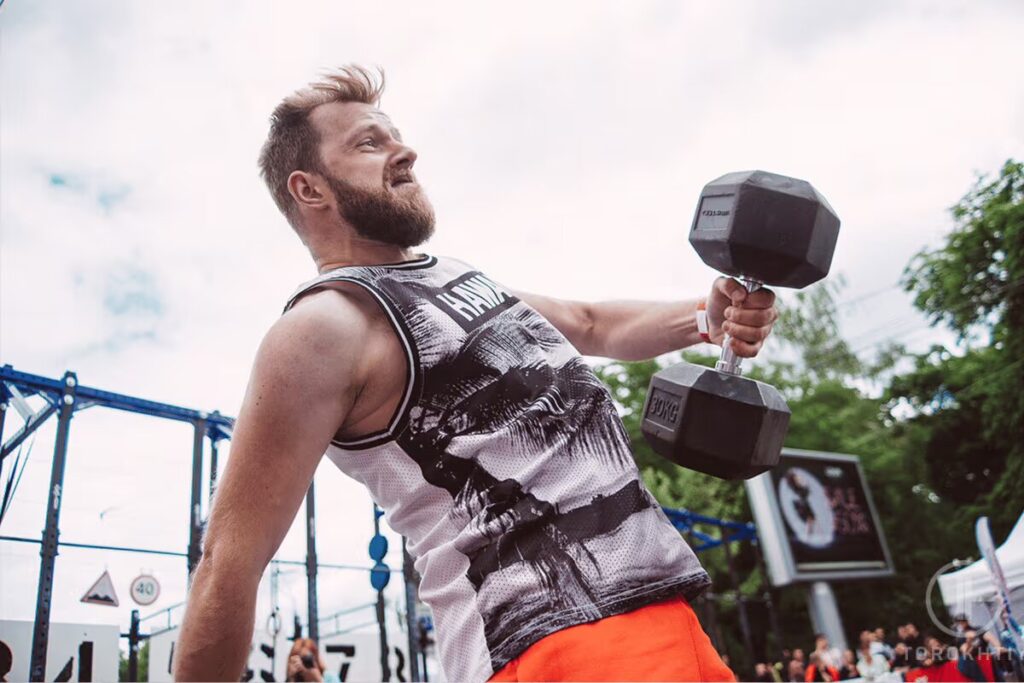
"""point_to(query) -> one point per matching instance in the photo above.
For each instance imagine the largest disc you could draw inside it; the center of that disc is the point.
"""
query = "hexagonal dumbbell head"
(766, 227)
(715, 422)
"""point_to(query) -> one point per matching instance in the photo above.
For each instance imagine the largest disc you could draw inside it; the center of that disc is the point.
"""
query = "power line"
(916, 326)
(864, 297)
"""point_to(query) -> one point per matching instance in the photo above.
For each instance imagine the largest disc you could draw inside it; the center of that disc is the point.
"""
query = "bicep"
(299, 392)
(574, 319)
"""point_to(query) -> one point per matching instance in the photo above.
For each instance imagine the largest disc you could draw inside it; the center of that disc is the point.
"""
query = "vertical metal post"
(771, 600)
(3, 412)
(825, 618)
(195, 513)
(700, 608)
(313, 611)
(385, 669)
(3, 416)
(213, 466)
(409, 574)
(48, 550)
(714, 628)
(748, 641)
(133, 647)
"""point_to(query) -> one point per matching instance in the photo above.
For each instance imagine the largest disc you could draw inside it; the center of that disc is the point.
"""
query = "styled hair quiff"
(293, 143)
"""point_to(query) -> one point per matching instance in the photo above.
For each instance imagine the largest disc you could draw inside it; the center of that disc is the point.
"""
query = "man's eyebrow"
(365, 128)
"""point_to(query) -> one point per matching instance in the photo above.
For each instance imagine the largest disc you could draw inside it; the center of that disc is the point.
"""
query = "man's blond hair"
(293, 143)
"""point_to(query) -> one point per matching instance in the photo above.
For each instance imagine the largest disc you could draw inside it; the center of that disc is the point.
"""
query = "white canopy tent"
(971, 591)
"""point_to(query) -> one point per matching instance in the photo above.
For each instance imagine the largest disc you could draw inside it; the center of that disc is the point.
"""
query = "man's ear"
(306, 189)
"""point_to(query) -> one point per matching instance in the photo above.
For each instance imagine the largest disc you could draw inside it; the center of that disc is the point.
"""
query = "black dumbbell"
(764, 229)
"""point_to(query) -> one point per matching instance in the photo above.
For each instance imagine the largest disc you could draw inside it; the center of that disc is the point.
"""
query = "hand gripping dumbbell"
(764, 229)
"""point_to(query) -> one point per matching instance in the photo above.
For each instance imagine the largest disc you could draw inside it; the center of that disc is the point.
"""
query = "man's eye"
(368, 142)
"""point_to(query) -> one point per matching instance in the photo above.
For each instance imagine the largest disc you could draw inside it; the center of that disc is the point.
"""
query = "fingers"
(748, 321)
(751, 317)
(732, 289)
(745, 349)
(738, 294)
(762, 298)
(746, 340)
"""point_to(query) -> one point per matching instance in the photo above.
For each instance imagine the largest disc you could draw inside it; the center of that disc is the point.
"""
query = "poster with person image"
(828, 519)
(816, 520)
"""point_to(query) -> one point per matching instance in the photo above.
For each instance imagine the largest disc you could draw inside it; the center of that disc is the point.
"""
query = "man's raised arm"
(638, 330)
(303, 383)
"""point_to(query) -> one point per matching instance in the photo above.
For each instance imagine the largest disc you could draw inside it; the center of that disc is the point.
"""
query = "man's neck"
(363, 253)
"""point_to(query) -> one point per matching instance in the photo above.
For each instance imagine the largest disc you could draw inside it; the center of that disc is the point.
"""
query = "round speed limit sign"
(145, 589)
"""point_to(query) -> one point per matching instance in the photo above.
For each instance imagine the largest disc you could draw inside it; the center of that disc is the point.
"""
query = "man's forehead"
(343, 117)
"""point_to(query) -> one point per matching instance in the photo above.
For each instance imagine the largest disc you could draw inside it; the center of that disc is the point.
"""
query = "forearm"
(217, 630)
(639, 330)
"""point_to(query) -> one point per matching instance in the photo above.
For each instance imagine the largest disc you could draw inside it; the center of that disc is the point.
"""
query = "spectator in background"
(797, 667)
(871, 660)
(780, 669)
(967, 659)
(830, 656)
(900, 658)
(936, 653)
(912, 639)
(883, 643)
(817, 670)
(961, 625)
(1010, 661)
(763, 673)
(306, 664)
(848, 669)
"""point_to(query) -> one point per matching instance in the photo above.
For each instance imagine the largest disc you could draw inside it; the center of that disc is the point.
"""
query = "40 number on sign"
(145, 589)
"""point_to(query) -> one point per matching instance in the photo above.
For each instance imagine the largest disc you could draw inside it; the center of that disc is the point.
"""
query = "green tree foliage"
(940, 435)
(122, 669)
(970, 398)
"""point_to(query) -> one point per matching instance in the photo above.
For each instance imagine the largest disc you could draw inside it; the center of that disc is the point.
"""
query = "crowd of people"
(878, 658)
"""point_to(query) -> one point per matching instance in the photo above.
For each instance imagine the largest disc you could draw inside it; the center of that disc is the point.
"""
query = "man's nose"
(405, 157)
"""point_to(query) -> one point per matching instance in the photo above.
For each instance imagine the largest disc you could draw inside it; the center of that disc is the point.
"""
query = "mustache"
(401, 177)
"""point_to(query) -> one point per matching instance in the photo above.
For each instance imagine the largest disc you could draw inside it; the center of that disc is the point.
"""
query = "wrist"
(703, 325)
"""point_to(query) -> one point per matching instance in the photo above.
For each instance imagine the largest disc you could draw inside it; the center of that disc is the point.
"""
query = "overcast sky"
(563, 144)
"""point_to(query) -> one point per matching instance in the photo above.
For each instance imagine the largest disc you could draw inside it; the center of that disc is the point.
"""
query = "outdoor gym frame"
(64, 397)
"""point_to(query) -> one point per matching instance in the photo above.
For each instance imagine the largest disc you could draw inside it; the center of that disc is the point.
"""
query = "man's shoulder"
(327, 316)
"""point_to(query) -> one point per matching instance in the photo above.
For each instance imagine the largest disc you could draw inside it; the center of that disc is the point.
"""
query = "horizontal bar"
(349, 629)
(302, 563)
(93, 546)
(348, 610)
(109, 399)
(690, 517)
(162, 612)
(171, 553)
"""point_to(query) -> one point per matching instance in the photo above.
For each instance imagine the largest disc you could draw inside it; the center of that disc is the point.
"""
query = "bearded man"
(468, 412)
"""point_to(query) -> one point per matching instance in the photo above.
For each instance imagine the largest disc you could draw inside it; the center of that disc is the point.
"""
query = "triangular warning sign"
(102, 592)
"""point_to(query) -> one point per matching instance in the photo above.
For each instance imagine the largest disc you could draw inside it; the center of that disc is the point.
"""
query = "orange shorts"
(660, 642)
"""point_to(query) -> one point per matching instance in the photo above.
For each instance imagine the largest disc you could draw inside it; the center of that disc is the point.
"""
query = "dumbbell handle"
(729, 362)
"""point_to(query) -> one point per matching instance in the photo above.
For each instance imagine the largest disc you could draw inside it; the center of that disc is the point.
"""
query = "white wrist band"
(702, 322)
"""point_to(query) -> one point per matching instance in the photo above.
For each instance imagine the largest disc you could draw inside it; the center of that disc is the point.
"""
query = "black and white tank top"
(508, 469)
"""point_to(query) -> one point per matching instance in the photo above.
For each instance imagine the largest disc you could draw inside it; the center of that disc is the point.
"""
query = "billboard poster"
(816, 520)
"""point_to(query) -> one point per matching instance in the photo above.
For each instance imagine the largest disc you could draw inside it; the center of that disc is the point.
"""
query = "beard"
(403, 220)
